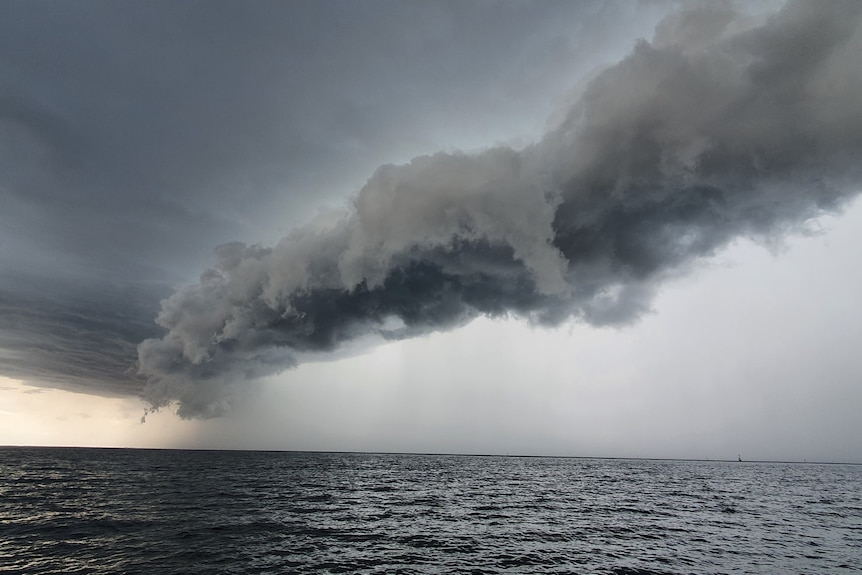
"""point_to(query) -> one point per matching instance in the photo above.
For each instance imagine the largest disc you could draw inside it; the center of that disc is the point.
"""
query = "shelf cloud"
(722, 126)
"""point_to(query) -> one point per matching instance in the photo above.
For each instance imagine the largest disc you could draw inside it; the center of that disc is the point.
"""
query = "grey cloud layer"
(721, 126)
(134, 136)
(80, 340)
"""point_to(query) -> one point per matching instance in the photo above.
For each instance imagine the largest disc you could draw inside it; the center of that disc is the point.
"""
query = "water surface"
(196, 512)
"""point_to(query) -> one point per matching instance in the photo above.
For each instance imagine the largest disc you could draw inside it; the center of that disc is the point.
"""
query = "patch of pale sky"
(42, 416)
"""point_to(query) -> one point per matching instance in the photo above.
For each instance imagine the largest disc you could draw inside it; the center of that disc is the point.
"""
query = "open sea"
(195, 512)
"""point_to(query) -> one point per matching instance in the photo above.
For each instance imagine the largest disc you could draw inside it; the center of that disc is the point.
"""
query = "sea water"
(196, 512)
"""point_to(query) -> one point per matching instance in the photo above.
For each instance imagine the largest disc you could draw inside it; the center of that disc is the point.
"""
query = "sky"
(554, 228)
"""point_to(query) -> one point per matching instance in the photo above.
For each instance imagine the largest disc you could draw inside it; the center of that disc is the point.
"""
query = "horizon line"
(439, 454)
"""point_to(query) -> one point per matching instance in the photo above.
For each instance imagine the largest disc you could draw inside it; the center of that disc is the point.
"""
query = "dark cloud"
(722, 126)
(79, 338)
(169, 128)
(134, 136)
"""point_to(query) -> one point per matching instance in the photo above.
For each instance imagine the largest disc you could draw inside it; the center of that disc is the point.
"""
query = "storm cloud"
(722, 126)
(135, 136)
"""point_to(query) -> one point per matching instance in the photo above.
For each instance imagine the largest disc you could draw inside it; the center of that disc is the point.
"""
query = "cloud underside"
(77, 341)
(721, 127)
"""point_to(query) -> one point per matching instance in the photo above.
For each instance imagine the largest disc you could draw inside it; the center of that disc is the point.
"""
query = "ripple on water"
(139, 511)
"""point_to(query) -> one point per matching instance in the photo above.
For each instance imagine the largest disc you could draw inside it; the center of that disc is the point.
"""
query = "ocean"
(78, 510)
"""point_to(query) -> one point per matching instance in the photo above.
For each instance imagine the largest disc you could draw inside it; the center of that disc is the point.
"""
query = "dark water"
(154, 512)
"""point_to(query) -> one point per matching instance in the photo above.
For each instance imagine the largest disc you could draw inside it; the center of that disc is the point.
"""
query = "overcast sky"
(570, 228)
